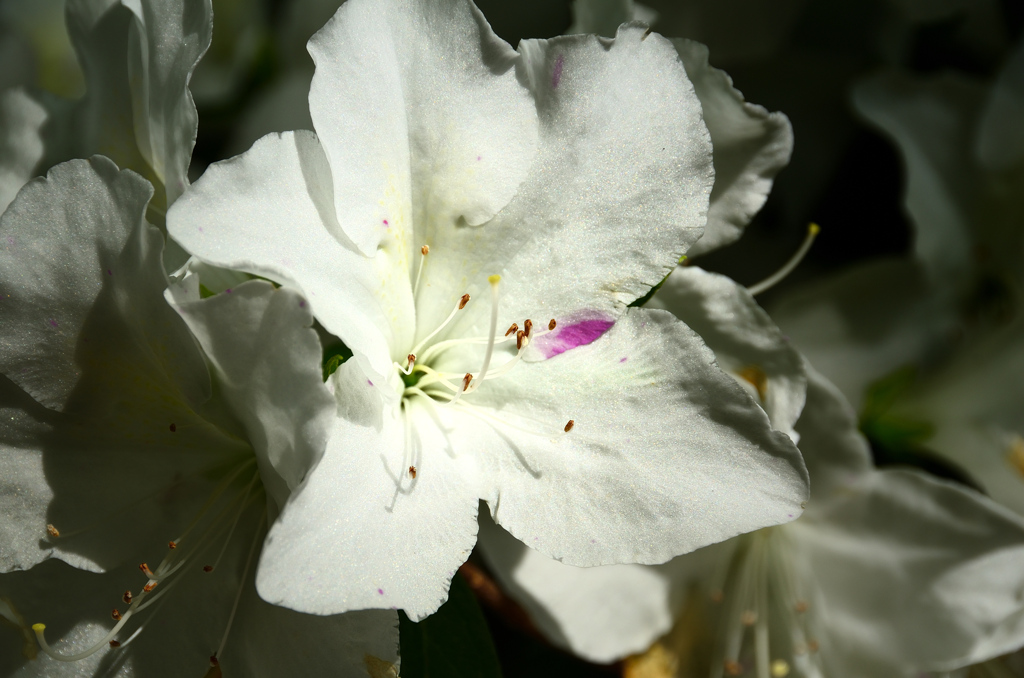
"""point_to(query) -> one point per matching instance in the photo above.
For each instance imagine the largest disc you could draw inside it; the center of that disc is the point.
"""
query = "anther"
(127, 597)
(463, 301)
(52, 531)
(412, 472)
(425, 250)
(527, 326)
(717, 596)
(172, 545)
(787, 268)
(149, 586)
(173, 427)
(412, 358)
(568, 426)
(812, 646)
(114, 643)
(520, 335)
(801, 606)
(213, 658)
(207, 568)
(748, 618)
(115, 614)
(551, 325)
(733, 668)
(146, 571)
(465, 381)
(514, 327)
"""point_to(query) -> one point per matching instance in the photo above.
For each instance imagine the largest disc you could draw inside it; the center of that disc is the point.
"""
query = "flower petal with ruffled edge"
(615, 191)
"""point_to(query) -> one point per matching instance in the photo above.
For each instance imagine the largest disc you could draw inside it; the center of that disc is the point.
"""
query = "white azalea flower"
(885, 574)
(557, 184)
(137, 57)
(114, 455)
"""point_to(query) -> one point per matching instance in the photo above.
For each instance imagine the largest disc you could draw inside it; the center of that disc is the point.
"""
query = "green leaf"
(882, 394)
(454, 642)
(205, 292)
(334, 356)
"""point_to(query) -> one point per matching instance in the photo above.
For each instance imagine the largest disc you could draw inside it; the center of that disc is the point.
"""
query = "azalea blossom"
(472, 221)
(886, 573)
(123, 460)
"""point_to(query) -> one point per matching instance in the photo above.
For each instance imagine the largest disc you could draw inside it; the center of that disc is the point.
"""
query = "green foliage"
(454, 642)
(334, 356)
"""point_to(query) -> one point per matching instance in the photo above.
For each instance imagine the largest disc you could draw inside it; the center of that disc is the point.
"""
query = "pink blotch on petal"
(580, 329)
(109, 272)
(556, 74)
(386, 223)
(228, 291)
(623, 359)
(53, 323)
(380, 591)
(369, 382)
(302, 303)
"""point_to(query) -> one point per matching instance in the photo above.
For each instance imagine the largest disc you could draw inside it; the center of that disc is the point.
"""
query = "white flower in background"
(116, 459)
(956, 313)
(885, 574)
(137, 57)
(554, 184)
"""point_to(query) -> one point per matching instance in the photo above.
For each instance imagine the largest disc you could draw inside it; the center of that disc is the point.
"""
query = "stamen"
(241, 587)
(465, 381)
(494, 280)
(52, 531)
(551, 325)
(149, 586)
(172, 544)
(207, 568)
(568, 427)
(127, 597)
(787, 268)
(424, 251)
(458, 307)
(412, 472)
(114, 643)
(146, 571)
(527, 327)
(520, 339)
(115, 614)
(511, 329)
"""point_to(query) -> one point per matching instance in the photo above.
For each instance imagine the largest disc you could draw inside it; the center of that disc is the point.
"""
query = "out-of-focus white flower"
(885, 574)
(115, 454)
(557, 183)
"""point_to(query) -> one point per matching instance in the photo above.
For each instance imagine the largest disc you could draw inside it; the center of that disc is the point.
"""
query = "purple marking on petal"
(369, 382)
(228, 291)
(302, 303)
(201, 229)
(386, 223)
(10, 240)
(53, 323)
(556, 74)
(593, 541)
(380, 591)
(623, 359)
(584, 328)
(479, 157)
(109, 272)
(790, 515)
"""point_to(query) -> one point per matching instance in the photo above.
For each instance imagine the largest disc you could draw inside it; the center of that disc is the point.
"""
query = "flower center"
(215, 523)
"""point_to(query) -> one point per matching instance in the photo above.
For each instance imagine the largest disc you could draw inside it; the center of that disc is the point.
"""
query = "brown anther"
(812, 646)
(801, 606)
(114, 643)
(213, 660)
(514, 327)
(207, 568)
(748, 618)
(717, 596)
(127, 597)
(145, 570)
(412, 471)
(527, 326)
(463, 301)
(520, 335)
(568, 426)
(412, 358)
(732, 668)
(173, 428)
(551, 324)
(115, 614)
(52, 531)
(425, 250)
(149, 586)
(172, 545)
(465, 381)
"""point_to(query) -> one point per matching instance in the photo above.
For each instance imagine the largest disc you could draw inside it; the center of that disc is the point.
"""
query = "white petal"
(746, 342)
(600, 613)
(862, 324)
(618, 191)
(668, 453)
(24, 492)
(918, 573)
(270, 212)
(1000, 138)
(167, 39)
(21, 142)
(267, 361)
(750, 146)
(932, 123)
(361, 533)
(421, 116)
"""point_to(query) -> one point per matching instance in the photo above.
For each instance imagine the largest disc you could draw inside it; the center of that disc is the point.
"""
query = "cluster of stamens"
(221, 513)
(447, 389)
(759, 590)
